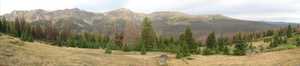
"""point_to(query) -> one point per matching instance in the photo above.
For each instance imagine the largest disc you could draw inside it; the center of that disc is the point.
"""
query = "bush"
(298, 42)
(227, 51)
(261, 48)
(208, 51)
(143, 53)
(189, 58)
(199, 50)
(240, 49)
(126, 49)
(179, 55)
(108, 51)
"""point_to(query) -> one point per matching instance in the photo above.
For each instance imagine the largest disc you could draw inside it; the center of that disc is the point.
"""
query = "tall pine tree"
(189, 40)
(211, 41)
(223, 45)
(289, 31)
(211, 44)
(147, 36)
(241, 45)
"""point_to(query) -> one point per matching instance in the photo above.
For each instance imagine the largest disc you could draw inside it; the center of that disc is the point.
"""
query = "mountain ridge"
(164, 22)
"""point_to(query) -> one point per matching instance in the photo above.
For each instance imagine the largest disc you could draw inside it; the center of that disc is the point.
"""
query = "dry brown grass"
(14, 52)
(279, 58)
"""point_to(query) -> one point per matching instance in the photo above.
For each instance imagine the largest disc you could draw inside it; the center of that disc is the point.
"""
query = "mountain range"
(124, 20)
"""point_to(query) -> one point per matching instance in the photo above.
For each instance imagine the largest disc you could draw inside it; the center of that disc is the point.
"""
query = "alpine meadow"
(149, 33)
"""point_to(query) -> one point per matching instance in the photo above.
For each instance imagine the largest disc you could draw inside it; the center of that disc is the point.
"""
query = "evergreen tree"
(269, 33)
(211, 41)
(227, 50)
(26, 35)
(240, 45)
(189, 40)
(25, 31)
(278, 40)
(184, 49)
(211, 44)
(108, 49)
(275, 41)
(208, 51)
(18, 27)
(222, 45)
(289, 31)
(241, 48)
(1, 25)
(143, 49)
(179, 53)
(147, 36)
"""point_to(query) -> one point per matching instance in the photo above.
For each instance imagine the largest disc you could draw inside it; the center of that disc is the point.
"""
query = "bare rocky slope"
(164, 22)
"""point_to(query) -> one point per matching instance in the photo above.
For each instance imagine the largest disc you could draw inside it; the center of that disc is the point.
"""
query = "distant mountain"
(164, 22)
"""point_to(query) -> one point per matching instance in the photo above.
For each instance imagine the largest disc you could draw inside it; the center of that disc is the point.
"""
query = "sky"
(261, 10)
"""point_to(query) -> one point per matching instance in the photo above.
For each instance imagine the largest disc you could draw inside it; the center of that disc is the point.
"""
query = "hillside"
(15, 52)
(164, 22)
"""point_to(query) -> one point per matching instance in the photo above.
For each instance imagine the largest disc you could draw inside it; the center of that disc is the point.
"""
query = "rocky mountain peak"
(217, 16)
(73, 9)
(120, 11)
(39, 11)
(167, 22)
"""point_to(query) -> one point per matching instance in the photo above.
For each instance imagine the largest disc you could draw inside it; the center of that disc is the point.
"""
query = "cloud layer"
(265, 10)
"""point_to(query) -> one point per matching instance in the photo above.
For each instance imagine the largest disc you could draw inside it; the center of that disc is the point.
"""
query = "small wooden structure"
(163, 60)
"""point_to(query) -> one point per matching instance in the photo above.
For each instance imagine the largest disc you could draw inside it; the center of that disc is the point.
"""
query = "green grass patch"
(283, 47)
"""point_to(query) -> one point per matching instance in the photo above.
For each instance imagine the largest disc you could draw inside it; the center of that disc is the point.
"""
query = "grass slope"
(14, 52)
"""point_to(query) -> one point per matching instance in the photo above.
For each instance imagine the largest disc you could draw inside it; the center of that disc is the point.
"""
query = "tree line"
(183, 46)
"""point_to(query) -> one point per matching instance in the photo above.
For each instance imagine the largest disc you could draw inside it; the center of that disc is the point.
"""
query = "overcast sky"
(263, 10)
